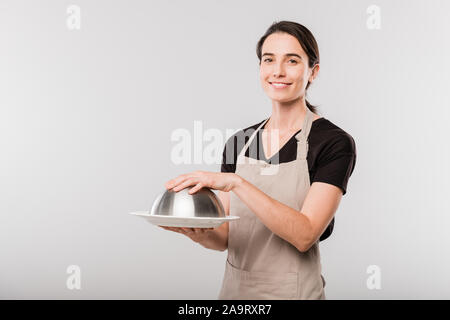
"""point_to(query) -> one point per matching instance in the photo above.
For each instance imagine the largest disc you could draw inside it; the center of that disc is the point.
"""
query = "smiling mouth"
(279, 85)
(287, 83)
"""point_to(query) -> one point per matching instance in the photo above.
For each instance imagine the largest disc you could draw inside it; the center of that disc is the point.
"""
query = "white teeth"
(279, 84)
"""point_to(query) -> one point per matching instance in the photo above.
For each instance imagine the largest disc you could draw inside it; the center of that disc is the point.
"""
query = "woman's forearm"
(289, 224)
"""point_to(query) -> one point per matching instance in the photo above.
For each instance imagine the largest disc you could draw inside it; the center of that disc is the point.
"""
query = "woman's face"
(283, 60)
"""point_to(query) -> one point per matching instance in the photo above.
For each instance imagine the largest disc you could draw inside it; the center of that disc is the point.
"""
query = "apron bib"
(260, 264)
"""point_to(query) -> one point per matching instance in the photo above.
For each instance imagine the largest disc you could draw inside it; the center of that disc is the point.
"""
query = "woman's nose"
(278, 70)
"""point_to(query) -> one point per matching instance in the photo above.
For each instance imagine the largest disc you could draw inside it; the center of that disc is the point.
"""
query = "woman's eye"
(266, 60)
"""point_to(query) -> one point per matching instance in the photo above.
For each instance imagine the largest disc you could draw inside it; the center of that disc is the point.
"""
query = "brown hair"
(304, 37)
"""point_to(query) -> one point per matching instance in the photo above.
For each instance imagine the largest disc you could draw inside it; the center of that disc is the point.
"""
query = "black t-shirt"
(331, 154)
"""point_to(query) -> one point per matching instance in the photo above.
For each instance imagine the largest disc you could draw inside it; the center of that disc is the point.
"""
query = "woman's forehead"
(282, 43)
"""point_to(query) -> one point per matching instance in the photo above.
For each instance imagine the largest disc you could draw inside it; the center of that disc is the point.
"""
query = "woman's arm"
(301, 229)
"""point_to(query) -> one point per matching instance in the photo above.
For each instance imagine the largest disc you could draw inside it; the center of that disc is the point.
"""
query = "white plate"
(186, 222)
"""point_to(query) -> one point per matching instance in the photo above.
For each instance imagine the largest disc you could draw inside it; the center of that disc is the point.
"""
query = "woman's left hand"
(223, 181)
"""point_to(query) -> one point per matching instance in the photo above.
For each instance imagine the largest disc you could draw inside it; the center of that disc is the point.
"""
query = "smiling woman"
(301, 64)
(273, 249)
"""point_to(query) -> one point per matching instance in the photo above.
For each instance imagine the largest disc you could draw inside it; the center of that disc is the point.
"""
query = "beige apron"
(260, 264)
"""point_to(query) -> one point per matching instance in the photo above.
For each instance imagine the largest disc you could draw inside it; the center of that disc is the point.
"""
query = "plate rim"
(187, 218)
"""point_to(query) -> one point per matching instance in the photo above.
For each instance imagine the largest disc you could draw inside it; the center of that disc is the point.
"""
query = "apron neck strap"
(306, 126)
(251, 138)
(301, 136)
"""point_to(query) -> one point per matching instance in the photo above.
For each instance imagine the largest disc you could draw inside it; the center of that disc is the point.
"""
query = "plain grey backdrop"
(86, 118)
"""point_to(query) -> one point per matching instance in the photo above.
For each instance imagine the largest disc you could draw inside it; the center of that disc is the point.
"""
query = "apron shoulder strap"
(244, 149)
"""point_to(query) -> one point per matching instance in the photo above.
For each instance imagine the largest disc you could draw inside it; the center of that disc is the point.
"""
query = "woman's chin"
(280, 98)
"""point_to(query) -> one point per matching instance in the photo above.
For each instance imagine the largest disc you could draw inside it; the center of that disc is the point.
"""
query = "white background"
(86, 118)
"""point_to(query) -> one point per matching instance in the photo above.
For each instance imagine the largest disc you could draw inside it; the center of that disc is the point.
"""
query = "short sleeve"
(337, 162)
(228, 156)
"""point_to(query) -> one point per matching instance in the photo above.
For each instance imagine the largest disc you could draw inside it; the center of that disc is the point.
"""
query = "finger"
(185, 184)
(169, 184)
(169, 228)
(187, 230)
(197, 187)
(176, 181)
(177, 229)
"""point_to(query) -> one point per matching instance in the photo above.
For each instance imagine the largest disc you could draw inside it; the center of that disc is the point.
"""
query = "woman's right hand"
(196, 234)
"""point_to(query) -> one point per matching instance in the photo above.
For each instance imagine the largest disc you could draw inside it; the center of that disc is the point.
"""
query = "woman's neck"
(286, 117)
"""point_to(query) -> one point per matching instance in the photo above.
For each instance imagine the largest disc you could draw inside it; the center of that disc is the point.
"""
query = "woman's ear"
(315, 71)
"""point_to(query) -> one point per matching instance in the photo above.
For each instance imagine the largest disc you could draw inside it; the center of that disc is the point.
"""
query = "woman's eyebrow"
(286, 55)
